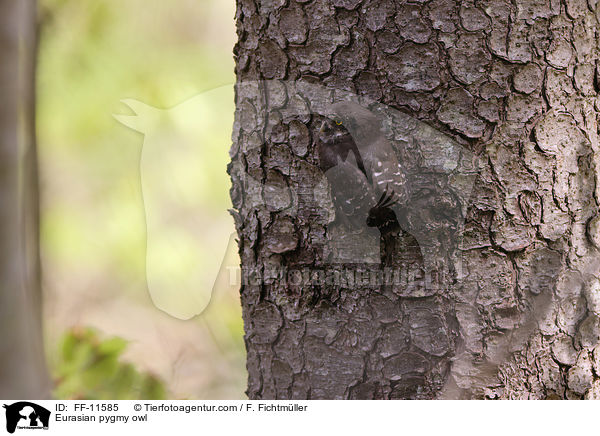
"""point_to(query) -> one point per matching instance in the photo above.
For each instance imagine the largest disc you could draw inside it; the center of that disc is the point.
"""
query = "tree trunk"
(491, 109)
(23, 373)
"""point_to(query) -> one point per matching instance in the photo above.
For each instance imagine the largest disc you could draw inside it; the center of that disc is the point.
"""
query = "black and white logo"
(26, 415)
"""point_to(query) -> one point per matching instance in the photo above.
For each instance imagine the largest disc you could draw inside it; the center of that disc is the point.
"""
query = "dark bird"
(366, 178)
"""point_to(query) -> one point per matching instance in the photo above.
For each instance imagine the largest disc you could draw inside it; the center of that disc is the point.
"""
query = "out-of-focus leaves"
(93, 54)
(152, 387)
(90, 368)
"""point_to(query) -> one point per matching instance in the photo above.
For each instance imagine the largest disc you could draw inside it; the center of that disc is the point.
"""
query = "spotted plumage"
(365, 175)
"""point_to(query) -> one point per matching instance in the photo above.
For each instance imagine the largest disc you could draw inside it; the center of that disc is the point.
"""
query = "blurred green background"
(104, 337)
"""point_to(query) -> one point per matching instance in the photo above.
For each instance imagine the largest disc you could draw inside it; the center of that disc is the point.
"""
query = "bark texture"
(513, 82)
(23, 372)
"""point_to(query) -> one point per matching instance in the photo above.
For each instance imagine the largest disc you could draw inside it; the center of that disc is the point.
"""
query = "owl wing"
(386, 171)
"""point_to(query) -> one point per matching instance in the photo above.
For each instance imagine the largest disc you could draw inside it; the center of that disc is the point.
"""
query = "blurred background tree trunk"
(23, 371)
(514, 83)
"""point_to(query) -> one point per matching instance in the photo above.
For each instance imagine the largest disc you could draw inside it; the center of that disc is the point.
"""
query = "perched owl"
(379, 158)
(366, 177)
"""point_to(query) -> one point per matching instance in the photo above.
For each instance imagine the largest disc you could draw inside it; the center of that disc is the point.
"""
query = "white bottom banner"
(295, 417)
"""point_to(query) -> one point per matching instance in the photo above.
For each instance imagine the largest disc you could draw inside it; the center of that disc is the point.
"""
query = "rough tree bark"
(23, 371)
(513, 82)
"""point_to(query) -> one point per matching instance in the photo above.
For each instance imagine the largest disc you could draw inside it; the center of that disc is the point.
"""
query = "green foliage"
(90, 368)
(93, 54)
